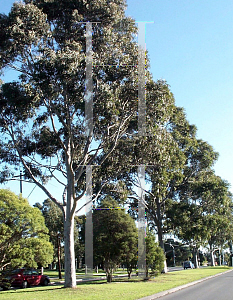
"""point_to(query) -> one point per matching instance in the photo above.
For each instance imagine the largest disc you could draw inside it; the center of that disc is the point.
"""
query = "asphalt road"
(217, 288)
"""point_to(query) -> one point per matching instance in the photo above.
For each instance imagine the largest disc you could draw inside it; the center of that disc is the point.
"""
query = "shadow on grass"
(55, 285)
(19, 290)
(115, 280)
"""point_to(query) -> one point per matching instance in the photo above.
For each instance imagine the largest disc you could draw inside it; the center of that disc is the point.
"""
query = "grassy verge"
(119, 289)
(53, 274)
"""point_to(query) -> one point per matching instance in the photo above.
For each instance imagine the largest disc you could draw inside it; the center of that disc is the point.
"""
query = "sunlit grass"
(53, 274)
(118, 289)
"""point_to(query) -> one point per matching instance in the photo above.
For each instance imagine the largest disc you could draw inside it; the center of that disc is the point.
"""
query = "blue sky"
(190, 45)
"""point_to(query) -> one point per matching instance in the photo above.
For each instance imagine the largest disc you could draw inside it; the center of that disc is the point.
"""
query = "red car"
(24, 278)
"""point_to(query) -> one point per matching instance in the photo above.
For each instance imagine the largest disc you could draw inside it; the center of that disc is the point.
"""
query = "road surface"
(217, 288)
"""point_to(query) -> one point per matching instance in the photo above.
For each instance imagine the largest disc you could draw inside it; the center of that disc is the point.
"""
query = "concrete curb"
(178, 288)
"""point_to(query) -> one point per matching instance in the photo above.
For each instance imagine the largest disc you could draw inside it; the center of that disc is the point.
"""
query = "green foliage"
(183, 162)
(206, 216)
(154, 255)
(54, 222)
(53, 219)
(114, 236)
(24, 237)
(42, 113)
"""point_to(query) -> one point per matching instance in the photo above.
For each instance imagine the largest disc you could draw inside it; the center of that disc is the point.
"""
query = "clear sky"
(190, 45)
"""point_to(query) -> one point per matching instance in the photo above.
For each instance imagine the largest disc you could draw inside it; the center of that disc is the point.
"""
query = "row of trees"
(45, 128)
(115, 238)
(26, 231)
(24, 237)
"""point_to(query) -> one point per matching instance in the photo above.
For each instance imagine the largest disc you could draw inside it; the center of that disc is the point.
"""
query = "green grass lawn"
(53, 274)
(118, 289)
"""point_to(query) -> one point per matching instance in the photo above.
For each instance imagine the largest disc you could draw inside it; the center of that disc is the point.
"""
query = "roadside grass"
(119, 289)
(53, 274)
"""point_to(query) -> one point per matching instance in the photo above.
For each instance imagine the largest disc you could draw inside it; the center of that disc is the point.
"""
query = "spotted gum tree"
(42, 113)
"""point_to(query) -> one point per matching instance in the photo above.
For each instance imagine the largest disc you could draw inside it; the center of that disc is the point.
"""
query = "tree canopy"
(115, 236)
(74, 108)
(44, 124)
(24, 239)
(205, 217)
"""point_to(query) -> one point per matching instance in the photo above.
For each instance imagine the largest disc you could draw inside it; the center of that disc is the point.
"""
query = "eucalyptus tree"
(199, 159)
(176, 159)
(42, 113)
(163, 158)
(216, 202)
(168, 172)
(157, 151)
(205, 217)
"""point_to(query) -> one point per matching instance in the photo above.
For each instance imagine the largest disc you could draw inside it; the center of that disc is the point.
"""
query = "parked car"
(188, 264)
(23, 278)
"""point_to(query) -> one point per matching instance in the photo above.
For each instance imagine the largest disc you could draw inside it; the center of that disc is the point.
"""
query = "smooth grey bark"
(59, 256)
(212, 259)
(159, 225)
(69, 213)
(70, 271)
(195, 258)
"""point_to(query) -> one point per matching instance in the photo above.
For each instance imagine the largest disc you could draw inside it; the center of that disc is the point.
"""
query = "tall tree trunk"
(70, 272)
(109, 278)
(129, 271)
(59, 255)
(159, 224)
(212, 259)
(70, 268)
(195, 257)
(147, 271)
(108, 270)
(161, 244)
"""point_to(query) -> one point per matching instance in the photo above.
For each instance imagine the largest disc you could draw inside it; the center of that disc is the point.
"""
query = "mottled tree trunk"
(69, 211)
(109, 275)
(159, 224)
(70, 271)
(129, 271)
(108, 271)
(59, 256)
(212, 259)
(109, 278)
(147, 271)
(195, 258)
